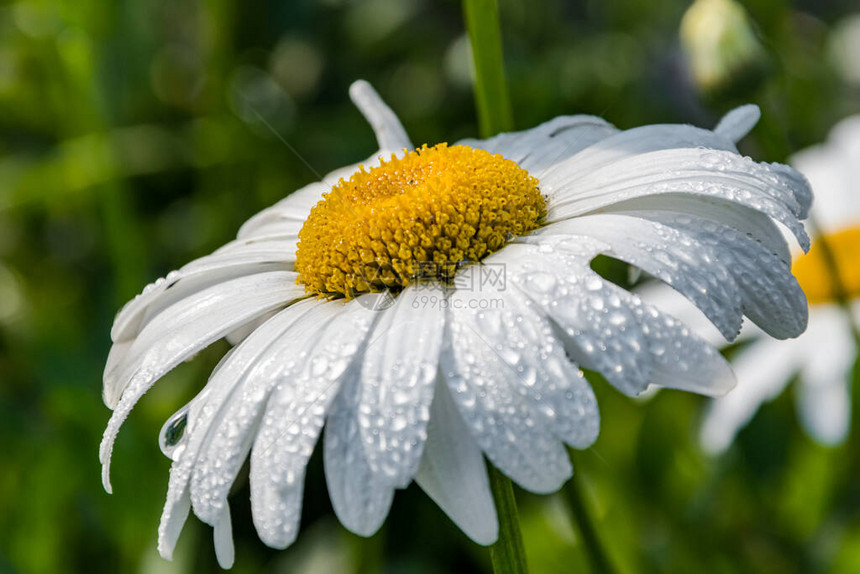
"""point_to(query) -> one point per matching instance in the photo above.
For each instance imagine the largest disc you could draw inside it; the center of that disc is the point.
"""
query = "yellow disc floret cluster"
(420, 216)
(814, 271)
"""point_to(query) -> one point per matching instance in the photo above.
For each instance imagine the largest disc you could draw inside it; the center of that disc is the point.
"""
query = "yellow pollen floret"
(813, 270)
(419, 216)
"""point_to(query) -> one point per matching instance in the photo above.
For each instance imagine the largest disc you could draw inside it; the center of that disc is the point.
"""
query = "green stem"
(491, 92)
(597, 556)
(368, 554)
(494, 114)
(507, 554)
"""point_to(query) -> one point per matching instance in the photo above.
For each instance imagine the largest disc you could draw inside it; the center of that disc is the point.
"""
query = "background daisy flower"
(822, 358)
(417, 372)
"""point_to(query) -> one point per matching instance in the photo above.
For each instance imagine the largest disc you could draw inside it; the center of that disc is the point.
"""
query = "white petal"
(539, 148)
(678, 258)
(528, 356)
(627, 144)
(182, 331)
(669, 301)
(223, 537)
(397, 377)
(293, 420)
(172, 521)
(739, 122)
(207, 287)
(453, 472)
(502, 421)
(231, 435)
(208, 409)
(770, 294)
(194, 277)
(824, 402)
(359, 497)
(388, 129)
(610, 330)
(744, 219)
(776, 191)
(763, 370)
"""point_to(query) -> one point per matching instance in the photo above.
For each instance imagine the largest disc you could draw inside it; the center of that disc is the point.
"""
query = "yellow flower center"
(419, 216)
(813, 270)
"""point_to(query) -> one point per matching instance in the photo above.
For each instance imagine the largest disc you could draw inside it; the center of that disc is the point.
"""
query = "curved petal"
(180, 332)
(501, 420)
(453, 472)
(776, 191)
(717, 210)
(610, 330)
(397, 377)
(230, 436)
(697, 270)
(628, 144)
(388, 129)
(360, 498)
(538, 149)
(528, 356)
(194, 277)
(770, 295)
(738, 123)
(204, 413)
(293, 420)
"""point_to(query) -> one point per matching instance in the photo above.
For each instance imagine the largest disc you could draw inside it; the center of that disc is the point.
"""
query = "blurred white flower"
(824, 355)
(436, 307)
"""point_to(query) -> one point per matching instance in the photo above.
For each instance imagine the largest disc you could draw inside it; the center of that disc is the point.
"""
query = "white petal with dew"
(676, 257)
(230, 437)
(627, 144)
(771, 189)
(739, 217)
(769, 294)
(503, 422)
(453, 472)
(528, 355)
(397, 376)
(612, 331)
(194, 277)
(360, 498)
(204, 415)
(293, 420)
(180, 332)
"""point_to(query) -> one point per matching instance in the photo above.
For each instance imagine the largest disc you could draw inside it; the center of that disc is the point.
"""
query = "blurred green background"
(131, 141)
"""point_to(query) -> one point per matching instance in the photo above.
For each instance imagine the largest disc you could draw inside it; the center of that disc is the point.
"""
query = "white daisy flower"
(419, 370)
(824, 355)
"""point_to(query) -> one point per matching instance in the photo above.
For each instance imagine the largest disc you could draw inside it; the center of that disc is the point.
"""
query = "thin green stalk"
(494, 115)
(368, 554)
(600, 563)
(491, 91)
(507, 554)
